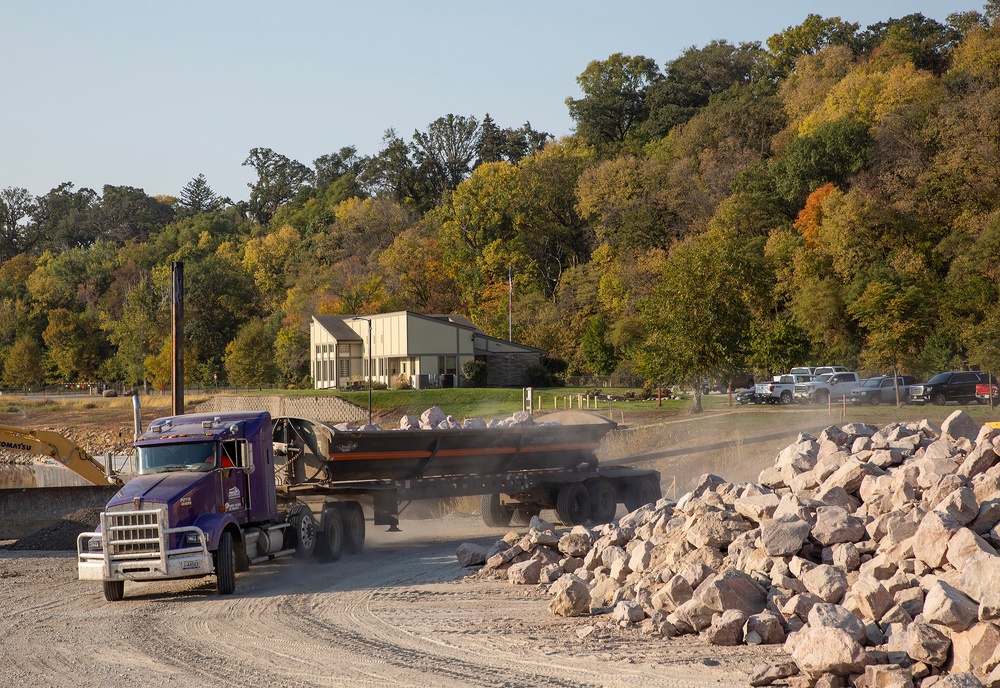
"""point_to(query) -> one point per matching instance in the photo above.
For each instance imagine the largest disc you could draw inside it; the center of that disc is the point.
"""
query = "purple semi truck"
(215, 493)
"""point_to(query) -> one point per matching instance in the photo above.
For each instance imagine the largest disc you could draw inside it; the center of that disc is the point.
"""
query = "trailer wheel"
(640, 492)
(573, 504)
(330, 543)
(603, 501)
(354, 528)
(114, 591)
(304, 528)
(225, 565)
(494, 513)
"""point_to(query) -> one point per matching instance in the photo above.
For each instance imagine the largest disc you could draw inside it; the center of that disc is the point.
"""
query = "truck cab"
(201, 480)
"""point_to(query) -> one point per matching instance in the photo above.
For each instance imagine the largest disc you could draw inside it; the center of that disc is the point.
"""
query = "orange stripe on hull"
(361, 456)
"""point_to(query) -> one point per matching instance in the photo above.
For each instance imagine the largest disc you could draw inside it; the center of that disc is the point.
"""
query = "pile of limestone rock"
(436, 419)
(94, 442)
(869, 553)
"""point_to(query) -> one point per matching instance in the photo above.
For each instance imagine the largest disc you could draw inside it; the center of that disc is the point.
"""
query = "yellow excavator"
(62, 449)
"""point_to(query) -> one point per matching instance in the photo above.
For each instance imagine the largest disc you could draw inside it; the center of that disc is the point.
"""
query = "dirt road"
(400, 613)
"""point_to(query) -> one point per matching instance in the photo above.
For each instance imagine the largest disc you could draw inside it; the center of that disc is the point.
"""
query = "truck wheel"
(225, 565)
(940, 399)
(354, 528)
(304, 528)
(114, 591)
(875, 399)
(494, 513)
(786, 397)
(573, 504)
(640, 492)
(330, 543)
(603, 501)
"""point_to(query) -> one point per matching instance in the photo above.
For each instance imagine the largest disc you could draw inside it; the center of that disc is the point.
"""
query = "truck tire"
(304, 531)
(354, 527)
(330, 542)
(786, 397)
(940, 399)
(494, 513)
(603, 501)
(822, 396)
(225, 565)
(640, 492)
(573, 504)
(875, 399)
(114, 591)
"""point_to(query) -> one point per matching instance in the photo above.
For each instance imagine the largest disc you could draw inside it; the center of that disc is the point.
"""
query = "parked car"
(832, 386)
(987, 391)
(957, 386)
(823, 370)
(881, 390)
(746, 396)
(779, 390)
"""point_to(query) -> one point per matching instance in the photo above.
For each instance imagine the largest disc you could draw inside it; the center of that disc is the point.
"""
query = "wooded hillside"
(830, 195)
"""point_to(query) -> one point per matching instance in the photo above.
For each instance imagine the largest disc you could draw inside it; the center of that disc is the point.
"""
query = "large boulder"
(960, 425)
(733, 589)
(784, 535)
(946, 606)
(572, 597)
(835, 525)
(726, 628)
(471, 554)
(826, 650)
(829, 583)
(925, 643)
(835, 616)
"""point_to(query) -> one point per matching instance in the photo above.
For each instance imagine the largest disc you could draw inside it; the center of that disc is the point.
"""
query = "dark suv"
(944, 387)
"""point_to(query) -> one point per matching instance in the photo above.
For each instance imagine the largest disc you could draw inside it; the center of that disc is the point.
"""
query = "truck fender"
(213, 525)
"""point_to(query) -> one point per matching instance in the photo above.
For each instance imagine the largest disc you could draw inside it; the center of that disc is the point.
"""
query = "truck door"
(233, 477)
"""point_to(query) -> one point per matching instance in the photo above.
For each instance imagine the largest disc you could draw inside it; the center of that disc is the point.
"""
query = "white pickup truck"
(832, 386)
(779, 390)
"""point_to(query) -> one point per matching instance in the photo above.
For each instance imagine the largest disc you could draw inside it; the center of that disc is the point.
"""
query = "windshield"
(190, 456)
(939, 378)
(873, 382)
(823, 378)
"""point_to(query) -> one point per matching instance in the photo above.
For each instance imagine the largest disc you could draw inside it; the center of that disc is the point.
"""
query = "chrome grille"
(135, 532)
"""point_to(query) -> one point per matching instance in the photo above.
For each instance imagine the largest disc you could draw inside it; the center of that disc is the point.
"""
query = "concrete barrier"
(24, 511)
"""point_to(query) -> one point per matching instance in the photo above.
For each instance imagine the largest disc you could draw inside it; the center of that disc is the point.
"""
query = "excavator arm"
(62, 449)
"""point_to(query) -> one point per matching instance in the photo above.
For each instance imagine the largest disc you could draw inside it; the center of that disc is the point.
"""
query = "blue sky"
(152, 94)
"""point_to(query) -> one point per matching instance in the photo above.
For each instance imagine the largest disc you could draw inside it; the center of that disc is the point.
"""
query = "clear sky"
(151, 94)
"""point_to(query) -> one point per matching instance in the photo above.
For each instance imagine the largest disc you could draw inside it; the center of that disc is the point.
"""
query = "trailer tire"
(573, 504)
(225, 564)
(304, 529)
(603, 501)
(114, 591)
(330, 543)
(354, 527)
(494, 513)
(640, 492)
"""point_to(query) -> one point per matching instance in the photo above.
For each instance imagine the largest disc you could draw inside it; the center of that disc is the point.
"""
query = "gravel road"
(400, 613)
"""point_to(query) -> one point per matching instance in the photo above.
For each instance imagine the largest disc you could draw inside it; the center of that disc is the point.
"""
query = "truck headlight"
(191, 539)
(94, 544)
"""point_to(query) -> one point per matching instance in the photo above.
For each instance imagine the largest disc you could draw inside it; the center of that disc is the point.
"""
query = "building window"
(345, 368)
(447, 365)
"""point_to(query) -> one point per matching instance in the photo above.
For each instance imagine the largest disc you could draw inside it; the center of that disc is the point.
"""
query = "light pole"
(370, 361)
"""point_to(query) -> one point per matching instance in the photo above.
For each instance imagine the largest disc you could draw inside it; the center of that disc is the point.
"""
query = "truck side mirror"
(250, 465)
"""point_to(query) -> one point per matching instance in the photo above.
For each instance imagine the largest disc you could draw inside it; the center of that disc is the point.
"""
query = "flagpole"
(510, 304)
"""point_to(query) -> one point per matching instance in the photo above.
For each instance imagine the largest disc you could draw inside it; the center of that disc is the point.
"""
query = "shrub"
(474, 371)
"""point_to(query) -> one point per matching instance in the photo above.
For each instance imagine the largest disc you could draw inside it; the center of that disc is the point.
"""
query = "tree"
(834, 152)
(279, 180)
(198, 197)
(692, 79)
(895, 320)
(697, 322)
(333, 166)
(74, 344)
(392, 173)
(23, 365)
(598, 354)
(249, 357)
(446, 150)
(809, 37)
(126, 213)
(63, 217)
(614, 99)
(17, 236)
